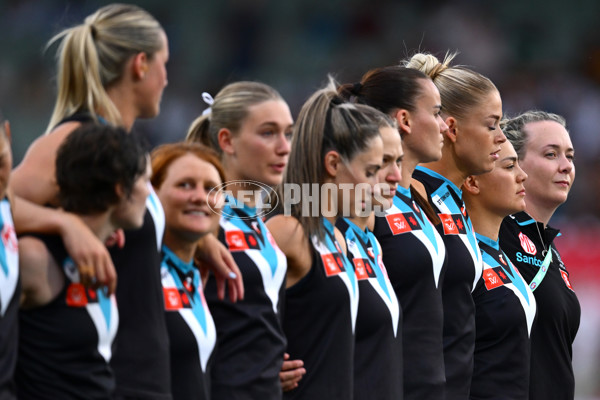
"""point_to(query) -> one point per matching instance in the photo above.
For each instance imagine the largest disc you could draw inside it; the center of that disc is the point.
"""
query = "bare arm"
(290, 238)
(41, 280)
(34, 178)
(33, 183)
(83, 246)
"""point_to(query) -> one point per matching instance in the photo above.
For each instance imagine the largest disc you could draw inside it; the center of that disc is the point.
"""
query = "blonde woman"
(112, 70)
(472, 109)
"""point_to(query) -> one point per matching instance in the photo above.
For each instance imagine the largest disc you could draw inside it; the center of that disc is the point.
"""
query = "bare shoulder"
(38, 166)
(289, 236)
(285, 230)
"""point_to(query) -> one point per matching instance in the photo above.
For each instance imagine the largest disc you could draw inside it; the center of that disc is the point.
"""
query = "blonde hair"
(92, 55)
(229, 110)
(460, 88)
(327, 122)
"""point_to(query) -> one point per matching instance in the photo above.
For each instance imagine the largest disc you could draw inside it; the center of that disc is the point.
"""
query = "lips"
(565, 184)
(278, 167)
(197, 212)
(495, 154)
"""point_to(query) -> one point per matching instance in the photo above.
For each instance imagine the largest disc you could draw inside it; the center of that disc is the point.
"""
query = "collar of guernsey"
(454, 207)
(369, 250)
(348, 276)
(541, 274)
(510, 269)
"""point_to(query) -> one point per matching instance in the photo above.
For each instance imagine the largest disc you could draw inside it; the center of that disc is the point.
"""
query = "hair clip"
(208, 99)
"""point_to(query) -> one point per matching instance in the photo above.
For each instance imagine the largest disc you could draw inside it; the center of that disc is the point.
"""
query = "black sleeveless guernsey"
(504, 313)
(526, 241)
(415, 258)
(378, 345)
(142, 342)
(192, 332)
(250, 338)
(319, 321)
(65, 346)
(463, 272)
(141, 361)
(10, 293)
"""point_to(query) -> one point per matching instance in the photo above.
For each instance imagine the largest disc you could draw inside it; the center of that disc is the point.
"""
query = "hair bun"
(429, 64)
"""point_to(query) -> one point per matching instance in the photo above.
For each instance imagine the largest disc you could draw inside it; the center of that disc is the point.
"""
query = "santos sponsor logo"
(528, 259)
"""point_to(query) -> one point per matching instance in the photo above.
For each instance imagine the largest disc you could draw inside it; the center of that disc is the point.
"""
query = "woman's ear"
(225, 140)
(471, 185)
(332, 162)
(140, 66)
(119, 191)
(404, 120)
(452, 131)
(7, 130)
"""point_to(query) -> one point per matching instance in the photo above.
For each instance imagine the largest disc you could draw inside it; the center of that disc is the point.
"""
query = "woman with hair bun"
(335, 144)
(413, 252)
(472, 109)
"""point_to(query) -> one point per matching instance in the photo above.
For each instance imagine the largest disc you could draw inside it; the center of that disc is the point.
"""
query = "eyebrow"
(557, 147)
(511, 158)
(272, 123)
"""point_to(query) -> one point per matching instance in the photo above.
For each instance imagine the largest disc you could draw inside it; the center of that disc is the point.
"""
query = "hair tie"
(336, 101)
(356, 88)
(208, 99)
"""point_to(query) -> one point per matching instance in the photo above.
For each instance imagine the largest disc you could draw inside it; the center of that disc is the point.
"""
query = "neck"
(539, 212)
(184, 249)
(448, 169)
(409, 163)
(240, 190)
(361, 222)
(100, 225)
(123, 100)
(485, 222)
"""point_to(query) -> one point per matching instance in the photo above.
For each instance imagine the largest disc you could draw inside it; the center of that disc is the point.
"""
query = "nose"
(442, 124)
(565, 164)
(500, 137)
(521, 175)
(199, 195)
(394, 175)
(284, 146)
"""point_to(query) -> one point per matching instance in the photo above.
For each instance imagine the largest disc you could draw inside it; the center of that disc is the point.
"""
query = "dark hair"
(386, 89)
(91, 162)
(389, 89)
